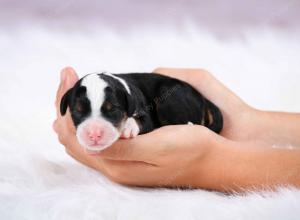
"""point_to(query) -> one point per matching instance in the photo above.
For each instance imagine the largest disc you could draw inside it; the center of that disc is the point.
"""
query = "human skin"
(251, 151)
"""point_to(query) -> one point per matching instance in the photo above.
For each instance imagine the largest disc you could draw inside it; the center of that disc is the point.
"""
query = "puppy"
(105, 107)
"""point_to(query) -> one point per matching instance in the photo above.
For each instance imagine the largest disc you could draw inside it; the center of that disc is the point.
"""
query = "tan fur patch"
(210, 117)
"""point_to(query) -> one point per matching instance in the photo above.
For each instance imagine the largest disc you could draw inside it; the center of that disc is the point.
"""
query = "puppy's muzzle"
(95, 134)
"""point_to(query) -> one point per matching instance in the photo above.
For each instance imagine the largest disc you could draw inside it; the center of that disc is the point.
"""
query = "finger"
(55, 126)
(200, 79)
(140, 148)
(85, 159)
(64, 126)
(180, 73)
(133, 173)
(68, 78)
(124, 172)
(140, 174)
(149, 148)
(60, 87)
(69, 123)
(207, 85)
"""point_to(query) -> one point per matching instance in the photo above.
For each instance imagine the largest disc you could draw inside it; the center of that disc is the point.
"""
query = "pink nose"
(95, 134)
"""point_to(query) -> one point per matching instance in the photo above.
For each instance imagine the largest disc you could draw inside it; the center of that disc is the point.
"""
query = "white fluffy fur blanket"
(39, 181)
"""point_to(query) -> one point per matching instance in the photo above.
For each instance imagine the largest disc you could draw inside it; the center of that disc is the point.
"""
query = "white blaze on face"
(96, 133)
(95, 92)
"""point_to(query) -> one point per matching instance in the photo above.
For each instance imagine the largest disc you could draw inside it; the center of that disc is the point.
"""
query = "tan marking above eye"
(108, 106)
(79, 107)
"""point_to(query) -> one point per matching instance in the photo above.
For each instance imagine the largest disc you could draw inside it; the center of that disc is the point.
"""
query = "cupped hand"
(63, 125)
(168, 156)
(240, 120)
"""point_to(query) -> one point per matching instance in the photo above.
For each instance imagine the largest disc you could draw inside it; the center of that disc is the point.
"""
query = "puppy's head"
(99, 105)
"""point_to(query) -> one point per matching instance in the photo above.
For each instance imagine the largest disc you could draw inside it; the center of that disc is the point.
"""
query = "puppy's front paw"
(130, 129)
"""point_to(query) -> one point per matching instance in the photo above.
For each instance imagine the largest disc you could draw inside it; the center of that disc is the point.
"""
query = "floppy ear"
(65, 101)
(128, 100)
(136, 103)
(131, 104)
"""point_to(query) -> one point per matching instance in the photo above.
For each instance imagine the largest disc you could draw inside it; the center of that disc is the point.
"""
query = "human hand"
(240, 119)
(63, 125)
(145, 160)
(191, 155)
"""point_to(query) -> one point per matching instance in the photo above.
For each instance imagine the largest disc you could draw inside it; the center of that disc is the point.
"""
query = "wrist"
(227, 167)
(275, 128)
(240, 166)
(253, 126)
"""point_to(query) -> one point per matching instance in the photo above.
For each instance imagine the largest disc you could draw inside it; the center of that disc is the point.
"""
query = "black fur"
(73, 98)
(169, 101)
(155, 101)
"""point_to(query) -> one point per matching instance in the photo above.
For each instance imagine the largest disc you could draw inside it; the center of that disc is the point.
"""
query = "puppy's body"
(106, 106)
(168, 101)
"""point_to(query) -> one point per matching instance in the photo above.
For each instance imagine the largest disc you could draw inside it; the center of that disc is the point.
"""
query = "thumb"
(68, 78)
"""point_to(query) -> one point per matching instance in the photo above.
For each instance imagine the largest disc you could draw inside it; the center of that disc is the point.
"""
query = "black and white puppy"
(107, 106)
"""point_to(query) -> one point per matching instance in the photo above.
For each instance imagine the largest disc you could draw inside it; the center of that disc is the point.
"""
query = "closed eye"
(82, 106)
(79, 107)
(110, 107)
(107, 106)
